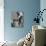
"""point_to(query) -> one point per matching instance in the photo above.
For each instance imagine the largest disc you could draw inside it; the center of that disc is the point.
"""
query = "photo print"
(17, 19)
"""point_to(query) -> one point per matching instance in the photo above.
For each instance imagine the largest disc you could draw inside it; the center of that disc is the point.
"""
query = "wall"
(1, 21)
(29, 7)
(43, 6)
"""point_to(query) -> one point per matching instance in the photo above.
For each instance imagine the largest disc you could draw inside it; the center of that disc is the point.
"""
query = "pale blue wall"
(29, 7)
(43, 6)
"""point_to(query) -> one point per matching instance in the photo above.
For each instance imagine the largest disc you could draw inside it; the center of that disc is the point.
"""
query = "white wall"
(1, 20)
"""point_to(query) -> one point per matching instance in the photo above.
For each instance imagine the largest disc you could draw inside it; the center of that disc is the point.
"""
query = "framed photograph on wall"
(17, 19)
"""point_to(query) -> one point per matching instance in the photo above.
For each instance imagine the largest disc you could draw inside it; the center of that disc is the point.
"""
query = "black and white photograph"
(17, 19)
